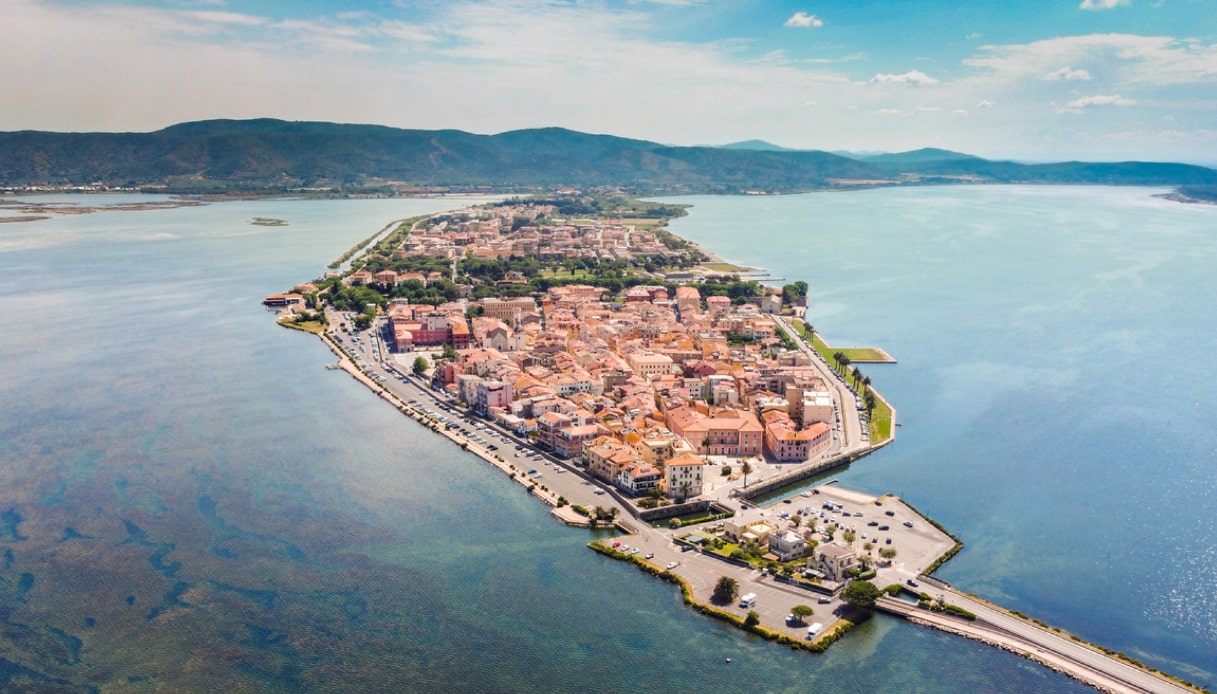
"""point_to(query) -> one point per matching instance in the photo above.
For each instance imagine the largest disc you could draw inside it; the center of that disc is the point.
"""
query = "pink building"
(491, 394)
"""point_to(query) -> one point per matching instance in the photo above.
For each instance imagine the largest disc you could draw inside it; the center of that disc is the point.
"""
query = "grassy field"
(312, 326)
(857, 355)
(865, 355)
(642, 221)
(563, 273)
(880, 422)
(881, 416)
(725, 267)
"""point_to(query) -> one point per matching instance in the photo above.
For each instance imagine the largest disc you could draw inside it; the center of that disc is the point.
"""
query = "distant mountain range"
(275, 155)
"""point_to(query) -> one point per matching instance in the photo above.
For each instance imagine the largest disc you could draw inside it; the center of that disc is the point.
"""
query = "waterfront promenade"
(919, 546)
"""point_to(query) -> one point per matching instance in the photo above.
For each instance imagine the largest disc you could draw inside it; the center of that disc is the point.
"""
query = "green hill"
(275, 155)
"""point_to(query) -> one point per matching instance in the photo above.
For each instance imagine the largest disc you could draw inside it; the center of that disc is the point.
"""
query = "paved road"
(1061, 653)
(774, 599)
(849, 438)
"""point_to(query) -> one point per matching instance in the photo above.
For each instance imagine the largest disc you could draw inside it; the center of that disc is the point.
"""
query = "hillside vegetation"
(270, 155)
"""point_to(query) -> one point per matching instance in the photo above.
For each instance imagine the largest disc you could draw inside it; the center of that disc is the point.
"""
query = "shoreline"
(835, 629)
(565, 514)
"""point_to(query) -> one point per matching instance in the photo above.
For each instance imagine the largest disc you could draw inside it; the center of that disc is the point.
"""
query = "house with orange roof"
(638, 478)
(360, 277)
(606, 457)
(683, 476)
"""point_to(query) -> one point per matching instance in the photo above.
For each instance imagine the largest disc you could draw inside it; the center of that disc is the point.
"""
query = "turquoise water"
(190, 501)
(1055, 374)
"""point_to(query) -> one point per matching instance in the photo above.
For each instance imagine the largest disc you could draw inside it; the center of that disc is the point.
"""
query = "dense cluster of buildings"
(508, 231)
(639, 387)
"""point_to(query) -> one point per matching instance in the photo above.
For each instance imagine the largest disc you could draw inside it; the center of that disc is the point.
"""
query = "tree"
(684, 490)
(449, 352)
(726, 589)
(753, 619)
(888, 553)
(746, 468)
(849, 536)
(861, 594)
(802, 612)
(421, 364)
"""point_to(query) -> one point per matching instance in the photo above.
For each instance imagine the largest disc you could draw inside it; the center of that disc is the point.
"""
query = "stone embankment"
(563, 513)
(1050, 649)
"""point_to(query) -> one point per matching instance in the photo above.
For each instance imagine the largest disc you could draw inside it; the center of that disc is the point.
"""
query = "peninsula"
(626, 377)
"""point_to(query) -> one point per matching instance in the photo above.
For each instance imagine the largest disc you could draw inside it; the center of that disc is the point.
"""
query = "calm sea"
(190, 501)
(1056, 363)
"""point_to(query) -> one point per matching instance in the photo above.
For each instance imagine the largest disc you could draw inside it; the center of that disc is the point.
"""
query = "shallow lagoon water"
(1055, 349)
(190, 501)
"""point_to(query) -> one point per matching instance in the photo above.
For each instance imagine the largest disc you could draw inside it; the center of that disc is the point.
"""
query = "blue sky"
(1038, 80)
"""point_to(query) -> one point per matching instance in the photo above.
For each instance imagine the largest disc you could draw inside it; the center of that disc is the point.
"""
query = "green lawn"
(563, 273)
(881, 416)
(725, 267)
(312, 326)
(880, 422)
(861, 355)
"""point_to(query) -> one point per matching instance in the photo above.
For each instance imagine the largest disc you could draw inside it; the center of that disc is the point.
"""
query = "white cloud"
(1127, 58)
(916, 77)
(438, 64)
(973, 36)
(1102, 4)
(1067, 73)
(802, 20)
(1078, 105)
(853, 57)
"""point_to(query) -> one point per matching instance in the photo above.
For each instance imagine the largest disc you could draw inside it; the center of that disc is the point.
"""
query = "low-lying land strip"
(629, 394)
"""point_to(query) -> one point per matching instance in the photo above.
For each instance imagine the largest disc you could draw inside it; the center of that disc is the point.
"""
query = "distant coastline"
(1179, 196)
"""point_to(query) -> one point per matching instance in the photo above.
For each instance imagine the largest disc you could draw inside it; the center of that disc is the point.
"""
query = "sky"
(1032, 80)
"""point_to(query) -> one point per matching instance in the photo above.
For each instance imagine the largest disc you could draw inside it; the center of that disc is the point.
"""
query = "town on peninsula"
(630, 379)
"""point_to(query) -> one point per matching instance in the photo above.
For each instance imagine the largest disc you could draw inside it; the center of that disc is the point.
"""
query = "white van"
(748, 600)
(814, 630)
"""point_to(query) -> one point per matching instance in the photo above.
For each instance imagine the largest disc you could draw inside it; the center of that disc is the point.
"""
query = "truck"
(748, 600)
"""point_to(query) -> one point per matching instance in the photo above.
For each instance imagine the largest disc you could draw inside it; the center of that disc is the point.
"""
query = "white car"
(671, 565)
